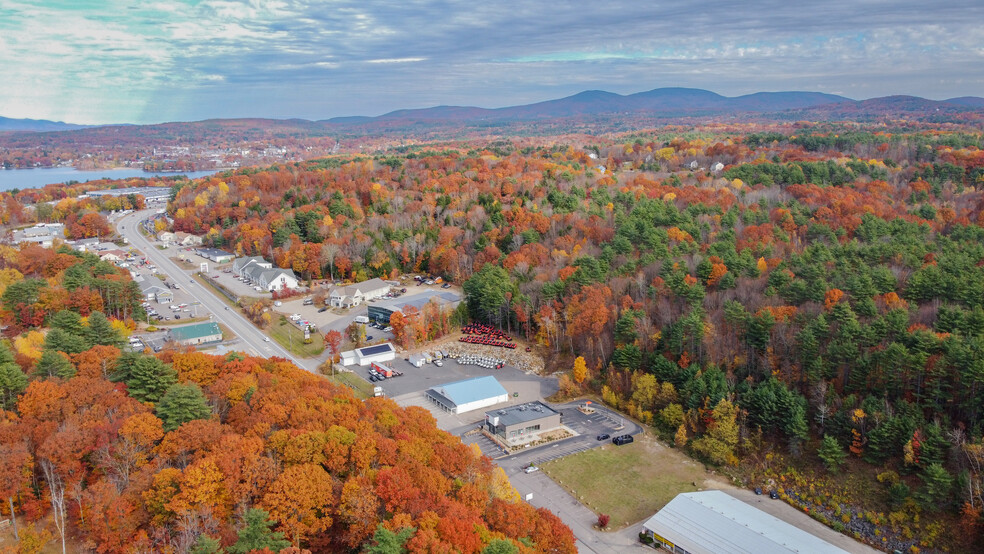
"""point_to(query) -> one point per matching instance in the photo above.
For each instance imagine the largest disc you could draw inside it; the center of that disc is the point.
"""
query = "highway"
(251, 337)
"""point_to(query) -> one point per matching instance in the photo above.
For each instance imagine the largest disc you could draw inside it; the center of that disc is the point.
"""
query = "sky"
(147, 61)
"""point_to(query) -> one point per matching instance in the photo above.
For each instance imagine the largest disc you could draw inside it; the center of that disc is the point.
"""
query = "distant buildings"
(42, 233)
(152, 195)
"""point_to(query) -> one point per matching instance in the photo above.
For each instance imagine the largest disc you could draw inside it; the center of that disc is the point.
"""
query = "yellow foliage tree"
(501, 488)
(29, 344)
(580, 370)
(762, 266)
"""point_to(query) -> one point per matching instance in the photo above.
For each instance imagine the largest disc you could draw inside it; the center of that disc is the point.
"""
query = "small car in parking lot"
(531, 469)
(604, 437)
(322, 309)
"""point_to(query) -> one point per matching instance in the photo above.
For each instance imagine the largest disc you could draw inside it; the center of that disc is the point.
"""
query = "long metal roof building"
(715, 522)
(467, 395)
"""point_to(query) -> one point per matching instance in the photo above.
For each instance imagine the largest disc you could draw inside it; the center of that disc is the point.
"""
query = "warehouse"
(377, 353)
(471, 394)
(716, 522)
(522, 424)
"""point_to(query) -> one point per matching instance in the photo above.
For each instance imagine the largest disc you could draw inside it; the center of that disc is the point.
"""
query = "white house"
(187, 239)
(166, 236)
(240, 264)
(269, 278)
(354, 295)
(114, 256)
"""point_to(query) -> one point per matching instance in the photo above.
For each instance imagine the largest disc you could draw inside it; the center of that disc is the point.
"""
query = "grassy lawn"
(629, 483)
(292, 338)
(361, 387)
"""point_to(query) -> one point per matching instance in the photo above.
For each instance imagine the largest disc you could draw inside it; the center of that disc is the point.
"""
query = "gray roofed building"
(353, 295)
(715, 522)
(154, 289)
(239, 264)
(216, 255)
(42, 233)
(522, 424)
(382, 310)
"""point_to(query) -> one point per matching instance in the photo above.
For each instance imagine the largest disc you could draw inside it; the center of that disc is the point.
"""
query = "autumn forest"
(795, 303)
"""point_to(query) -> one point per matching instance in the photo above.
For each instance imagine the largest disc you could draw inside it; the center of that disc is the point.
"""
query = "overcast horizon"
(123, 62)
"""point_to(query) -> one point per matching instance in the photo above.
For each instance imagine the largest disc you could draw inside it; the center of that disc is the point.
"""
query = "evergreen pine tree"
(181, 404)
(257, 534)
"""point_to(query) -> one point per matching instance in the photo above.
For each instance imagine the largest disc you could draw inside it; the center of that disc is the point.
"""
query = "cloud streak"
(117, 61)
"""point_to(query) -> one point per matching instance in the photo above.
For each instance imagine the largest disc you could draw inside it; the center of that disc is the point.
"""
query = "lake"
(36, 178)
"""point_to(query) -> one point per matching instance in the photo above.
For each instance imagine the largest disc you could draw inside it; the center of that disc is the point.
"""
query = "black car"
(322, 309)
(369, 337)
(773, 495)
(624, 439)
(604, 436)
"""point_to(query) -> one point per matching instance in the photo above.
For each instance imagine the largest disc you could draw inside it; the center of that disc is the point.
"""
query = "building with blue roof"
(471, 394)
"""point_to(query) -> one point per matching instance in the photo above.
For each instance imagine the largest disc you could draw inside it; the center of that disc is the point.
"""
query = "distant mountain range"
(595, 105)
(7, 124)
(678, 102)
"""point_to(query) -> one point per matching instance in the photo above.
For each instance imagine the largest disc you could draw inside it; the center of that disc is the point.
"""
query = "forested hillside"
(798, 288)
(118, 451)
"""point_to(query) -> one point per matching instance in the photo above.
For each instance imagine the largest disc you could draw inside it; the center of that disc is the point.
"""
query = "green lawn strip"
(361, 387)
(292, 338)
(629, 483)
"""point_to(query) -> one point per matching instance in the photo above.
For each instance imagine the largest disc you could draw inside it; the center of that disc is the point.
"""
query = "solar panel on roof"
(378, 349)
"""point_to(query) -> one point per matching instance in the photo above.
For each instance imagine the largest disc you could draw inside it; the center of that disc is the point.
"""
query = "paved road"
(251, 337)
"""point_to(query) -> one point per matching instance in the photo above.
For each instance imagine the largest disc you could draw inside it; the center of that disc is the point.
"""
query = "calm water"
(34, 178)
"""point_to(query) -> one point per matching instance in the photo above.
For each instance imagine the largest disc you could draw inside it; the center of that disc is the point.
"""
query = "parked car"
(438, 363)
(604, 436)
(531, 469)
(369, 337)
(773, 495)
(624, 439)
(177, 317)
(446, 286)
(322, 309)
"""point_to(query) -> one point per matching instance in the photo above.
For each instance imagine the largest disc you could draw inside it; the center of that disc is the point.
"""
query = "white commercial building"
(714, 522)
(468, 395)
(366, 355)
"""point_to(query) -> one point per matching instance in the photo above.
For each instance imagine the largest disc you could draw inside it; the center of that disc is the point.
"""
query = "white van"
(362, 319)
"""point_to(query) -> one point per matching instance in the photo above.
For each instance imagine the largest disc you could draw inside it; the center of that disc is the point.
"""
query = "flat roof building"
(471, 394)
(216, 255)
(377, 353)
(715, 522)
(381, 310)
(522, 424)
(150, 194)
(199, 333)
